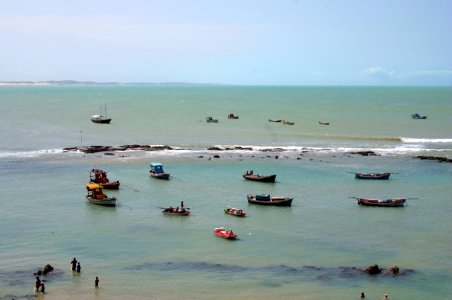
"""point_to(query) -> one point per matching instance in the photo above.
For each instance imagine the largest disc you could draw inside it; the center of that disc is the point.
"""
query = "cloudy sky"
(249, 42)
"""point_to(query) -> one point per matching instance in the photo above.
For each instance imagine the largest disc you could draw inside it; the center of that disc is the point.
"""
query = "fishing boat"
(176, 211)
(100, 118)
(276, 121)
(262, 178)
(97, 196)
(157, 171)
(324, 123)
(235, 212)
(372, 175)
(265, 199)
(418, 116)
(285, 122)
(211, 120)
(100, 177)
(233, 117)
(392, 202)
(225, 233)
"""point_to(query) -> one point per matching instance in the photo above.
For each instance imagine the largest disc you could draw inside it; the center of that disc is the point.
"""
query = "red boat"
(235, 212)
(100, 177)
(393, 202)
(225, 233)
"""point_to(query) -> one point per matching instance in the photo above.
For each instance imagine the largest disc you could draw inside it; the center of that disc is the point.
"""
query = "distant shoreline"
(94, 83)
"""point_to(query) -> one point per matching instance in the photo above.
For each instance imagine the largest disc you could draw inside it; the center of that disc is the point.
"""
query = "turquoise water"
(307, 251)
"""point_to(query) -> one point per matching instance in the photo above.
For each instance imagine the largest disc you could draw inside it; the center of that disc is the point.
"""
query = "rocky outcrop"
(439, 159)
(95, 148)
(366, 153)
(373, 270)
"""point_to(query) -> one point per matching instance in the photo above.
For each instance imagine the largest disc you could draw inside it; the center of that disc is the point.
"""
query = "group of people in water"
(75, 267)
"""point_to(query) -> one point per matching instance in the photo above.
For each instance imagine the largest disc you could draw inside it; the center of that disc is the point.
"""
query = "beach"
(315, 249)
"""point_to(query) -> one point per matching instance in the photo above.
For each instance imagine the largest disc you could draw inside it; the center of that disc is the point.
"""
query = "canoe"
(324, 123)
(235, 212)
(225, 233)
(392, 202)
(277, 121)
(264, 199)
(372, 175)
(253, 177)
(173, 212)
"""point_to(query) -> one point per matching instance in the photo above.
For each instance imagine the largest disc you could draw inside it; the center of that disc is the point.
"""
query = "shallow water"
(307, 251)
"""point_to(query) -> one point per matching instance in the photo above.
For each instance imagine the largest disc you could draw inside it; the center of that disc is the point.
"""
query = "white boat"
(101, 118)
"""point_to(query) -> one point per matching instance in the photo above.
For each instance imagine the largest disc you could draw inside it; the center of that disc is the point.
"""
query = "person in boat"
(182, 205)
(251, 172)
(177, 209)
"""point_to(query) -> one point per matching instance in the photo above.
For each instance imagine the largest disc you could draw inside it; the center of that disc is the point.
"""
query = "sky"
(245, 42)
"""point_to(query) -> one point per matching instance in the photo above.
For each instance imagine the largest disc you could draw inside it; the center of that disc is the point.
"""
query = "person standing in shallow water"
(96, 282)
(74, 264)
(362, 295)
(78, 267)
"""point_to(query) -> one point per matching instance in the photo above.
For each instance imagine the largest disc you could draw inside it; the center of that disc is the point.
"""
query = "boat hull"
(270, 178)
(378, 176)
(164, 176)
(103, 202)
(179, 213)
(395, 202)
(101, 121)
(273, 201)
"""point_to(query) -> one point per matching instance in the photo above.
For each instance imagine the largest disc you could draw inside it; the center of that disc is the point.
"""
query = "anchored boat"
(96, 195)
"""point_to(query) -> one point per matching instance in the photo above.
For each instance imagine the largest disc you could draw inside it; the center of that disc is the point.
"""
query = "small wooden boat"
(96, 195)
(225, 233)
(101, 119)
(392, 202)
(176, 211)
(157, 171)
(285, 122)
(276, 121)
(100, 177)
(372, 175)
(211, 120)
(265, 199)
(235, 212)
(233, 117)
(418, 116)
(255, 177)
(324, 123)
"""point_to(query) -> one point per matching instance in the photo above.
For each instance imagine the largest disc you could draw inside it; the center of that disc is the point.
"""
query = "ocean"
(312, 250)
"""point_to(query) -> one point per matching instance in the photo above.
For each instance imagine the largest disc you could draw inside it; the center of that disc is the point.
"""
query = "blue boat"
(157, 171)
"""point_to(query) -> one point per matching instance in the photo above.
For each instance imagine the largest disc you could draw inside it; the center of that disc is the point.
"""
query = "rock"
(366, 153)
(394, 270)
(47, 269)
(373, 270)
(439, 159)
